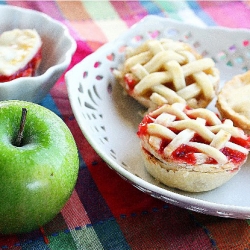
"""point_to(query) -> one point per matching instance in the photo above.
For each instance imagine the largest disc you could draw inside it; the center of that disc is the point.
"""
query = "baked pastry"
(233, 101)
(20, 53)
(191, 149)
(166, 71)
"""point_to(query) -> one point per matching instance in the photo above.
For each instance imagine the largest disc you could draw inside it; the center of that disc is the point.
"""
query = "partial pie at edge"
(234, 101)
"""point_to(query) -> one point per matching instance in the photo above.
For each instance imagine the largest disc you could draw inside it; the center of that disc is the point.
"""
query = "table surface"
(104, 211)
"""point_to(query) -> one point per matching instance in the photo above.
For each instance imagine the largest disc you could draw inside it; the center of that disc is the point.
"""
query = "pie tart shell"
(174, 176)
(234, 102)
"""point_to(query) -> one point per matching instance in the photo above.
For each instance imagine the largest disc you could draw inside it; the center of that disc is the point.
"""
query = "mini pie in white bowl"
(20, 54)
(56, 52)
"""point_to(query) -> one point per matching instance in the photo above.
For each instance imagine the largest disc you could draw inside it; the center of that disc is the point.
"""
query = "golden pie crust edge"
(183, 179)
(233, 101)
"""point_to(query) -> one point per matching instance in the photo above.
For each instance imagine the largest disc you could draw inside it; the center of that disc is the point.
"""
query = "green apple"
(38, 176)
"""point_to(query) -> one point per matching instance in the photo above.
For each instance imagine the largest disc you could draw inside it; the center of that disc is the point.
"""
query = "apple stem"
(21, 128)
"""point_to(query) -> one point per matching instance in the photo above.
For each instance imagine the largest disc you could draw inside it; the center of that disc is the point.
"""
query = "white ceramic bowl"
(109, 119)
(57, 50)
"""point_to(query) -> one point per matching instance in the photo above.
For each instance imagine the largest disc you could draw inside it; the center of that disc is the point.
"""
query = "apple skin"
(38, 177)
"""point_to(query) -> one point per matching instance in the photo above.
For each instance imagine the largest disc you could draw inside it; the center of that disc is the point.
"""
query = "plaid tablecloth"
(104, 211)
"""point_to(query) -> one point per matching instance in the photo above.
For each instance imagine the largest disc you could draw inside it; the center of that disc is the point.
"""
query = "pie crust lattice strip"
(191, 149)
(166, 71)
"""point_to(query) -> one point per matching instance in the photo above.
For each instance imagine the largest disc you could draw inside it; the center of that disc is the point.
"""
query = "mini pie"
(166, 71)
(191, 149)
(20, 53)
(234, 101)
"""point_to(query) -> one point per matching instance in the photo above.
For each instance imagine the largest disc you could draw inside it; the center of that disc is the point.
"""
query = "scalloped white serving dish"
(109, 119)
(57, 50)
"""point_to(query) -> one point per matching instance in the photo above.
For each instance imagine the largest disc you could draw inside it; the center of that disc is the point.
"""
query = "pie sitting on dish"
(234, 101)
(166, 71)
(20, 53)
(191, 149)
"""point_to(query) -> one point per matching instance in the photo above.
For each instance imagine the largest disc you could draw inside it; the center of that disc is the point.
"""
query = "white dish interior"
(109, 119)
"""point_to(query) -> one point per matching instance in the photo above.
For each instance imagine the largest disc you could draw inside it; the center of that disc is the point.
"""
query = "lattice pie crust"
(234, 101)
(191, 149)
(166, 71)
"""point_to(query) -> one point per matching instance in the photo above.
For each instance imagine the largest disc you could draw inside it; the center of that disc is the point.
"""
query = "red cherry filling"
(185, 153)
(143, 125)
(130, 82)
(235, 156)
